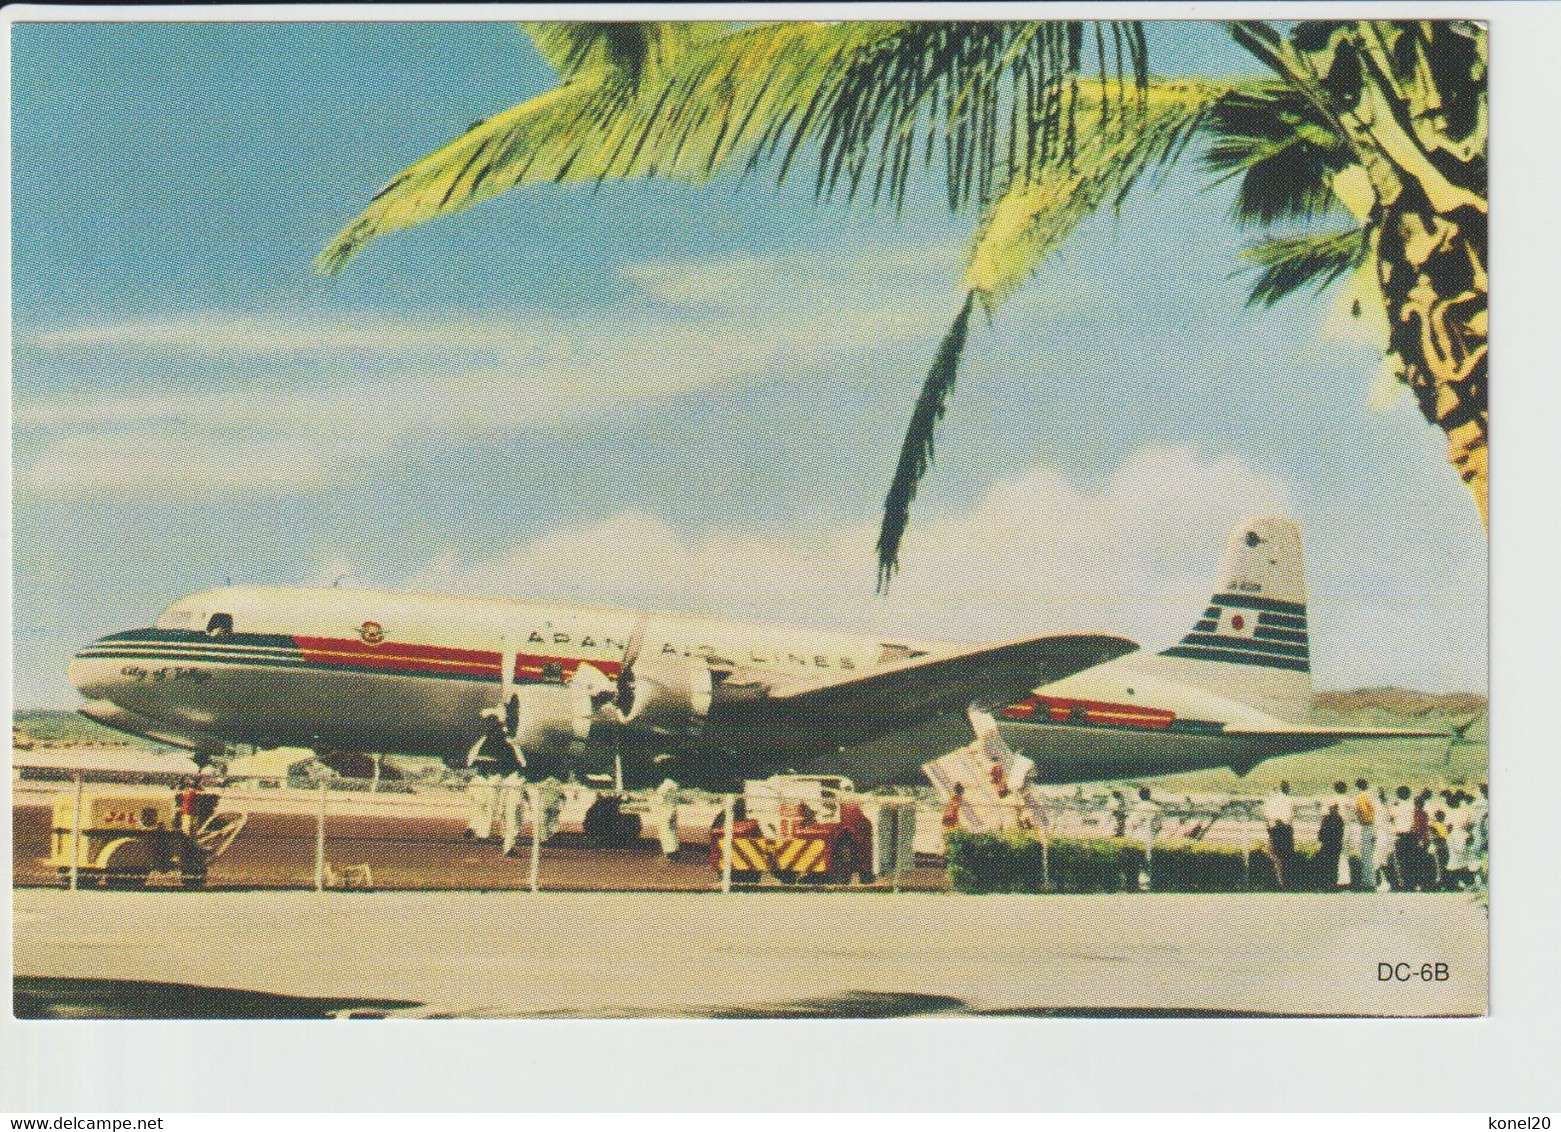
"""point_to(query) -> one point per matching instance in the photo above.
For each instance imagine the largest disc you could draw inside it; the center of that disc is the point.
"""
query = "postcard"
(772, 519)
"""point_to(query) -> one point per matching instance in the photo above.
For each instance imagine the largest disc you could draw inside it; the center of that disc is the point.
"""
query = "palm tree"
(1033, 127)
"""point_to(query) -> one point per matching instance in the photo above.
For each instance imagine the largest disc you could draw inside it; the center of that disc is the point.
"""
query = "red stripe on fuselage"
(399, 657)
(1057, 709)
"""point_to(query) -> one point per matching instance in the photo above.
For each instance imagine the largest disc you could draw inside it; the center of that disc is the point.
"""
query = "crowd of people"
(1430, 841)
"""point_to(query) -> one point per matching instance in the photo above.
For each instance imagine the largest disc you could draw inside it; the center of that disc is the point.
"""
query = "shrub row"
(1018, 862)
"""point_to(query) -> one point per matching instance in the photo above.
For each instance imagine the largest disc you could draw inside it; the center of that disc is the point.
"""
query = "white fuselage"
(353, 670)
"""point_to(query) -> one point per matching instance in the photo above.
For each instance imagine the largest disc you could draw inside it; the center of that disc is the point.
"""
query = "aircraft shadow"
(38, 998)
(35, 997)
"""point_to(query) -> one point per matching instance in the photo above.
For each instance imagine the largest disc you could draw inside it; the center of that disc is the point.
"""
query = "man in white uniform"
(664, 812)
(1143, 822)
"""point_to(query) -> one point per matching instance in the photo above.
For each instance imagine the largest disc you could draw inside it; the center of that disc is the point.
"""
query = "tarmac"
(789, 953)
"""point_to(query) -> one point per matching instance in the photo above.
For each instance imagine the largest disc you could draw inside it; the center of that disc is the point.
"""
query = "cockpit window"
(180, 617)
(220, 625)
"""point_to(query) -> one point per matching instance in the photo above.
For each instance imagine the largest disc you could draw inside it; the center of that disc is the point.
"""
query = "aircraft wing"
(913, 691)
(1337, 734)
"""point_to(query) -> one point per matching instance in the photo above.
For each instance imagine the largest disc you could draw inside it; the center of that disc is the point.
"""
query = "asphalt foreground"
(749, 955)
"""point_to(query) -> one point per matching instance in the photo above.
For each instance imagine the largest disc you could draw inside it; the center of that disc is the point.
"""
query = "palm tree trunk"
(1431, 267)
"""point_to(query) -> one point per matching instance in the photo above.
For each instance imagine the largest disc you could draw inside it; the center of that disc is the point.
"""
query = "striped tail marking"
(1245, 629)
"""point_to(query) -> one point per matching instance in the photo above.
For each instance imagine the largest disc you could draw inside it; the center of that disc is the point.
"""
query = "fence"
(342, 835)
(1192, 845)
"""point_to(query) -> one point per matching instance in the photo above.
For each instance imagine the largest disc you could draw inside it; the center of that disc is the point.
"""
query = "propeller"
(623, 691)
(501, 722)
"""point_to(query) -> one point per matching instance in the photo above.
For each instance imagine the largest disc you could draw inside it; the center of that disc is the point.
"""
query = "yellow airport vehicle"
(807, 828)
(123, 837)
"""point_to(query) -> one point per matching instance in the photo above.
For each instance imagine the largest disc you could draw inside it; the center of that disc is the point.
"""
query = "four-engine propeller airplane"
(512, 684)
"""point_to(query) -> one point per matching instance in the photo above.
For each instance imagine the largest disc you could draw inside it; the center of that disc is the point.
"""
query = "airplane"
(506, 685)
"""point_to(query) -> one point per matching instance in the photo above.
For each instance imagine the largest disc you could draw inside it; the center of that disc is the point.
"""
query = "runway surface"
(763, 954)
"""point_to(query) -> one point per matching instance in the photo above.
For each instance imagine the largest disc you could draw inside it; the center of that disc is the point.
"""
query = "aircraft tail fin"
(1251, 642)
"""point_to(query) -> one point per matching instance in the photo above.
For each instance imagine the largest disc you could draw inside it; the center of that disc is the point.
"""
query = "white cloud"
(1036, 553)
(157, 463)
(247, 335)
(376, 381)
(878, 277)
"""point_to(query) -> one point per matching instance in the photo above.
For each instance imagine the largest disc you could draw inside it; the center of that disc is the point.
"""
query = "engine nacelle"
(550, 718)
(671, 695)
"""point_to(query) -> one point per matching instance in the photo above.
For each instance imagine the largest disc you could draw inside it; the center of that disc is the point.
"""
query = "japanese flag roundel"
(1238, 623)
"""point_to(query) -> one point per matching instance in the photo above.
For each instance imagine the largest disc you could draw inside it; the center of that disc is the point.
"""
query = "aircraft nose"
(96, 674)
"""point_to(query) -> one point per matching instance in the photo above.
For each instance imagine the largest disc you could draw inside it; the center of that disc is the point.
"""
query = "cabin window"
(220, 625)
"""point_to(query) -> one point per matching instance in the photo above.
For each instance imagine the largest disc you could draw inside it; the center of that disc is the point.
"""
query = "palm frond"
(916, 451)
(548, 138)
(1041, 207)
(858, 101)
(629, 49)
(1037, 210)
(1284, 152)
(1292, 262)
(574, 132)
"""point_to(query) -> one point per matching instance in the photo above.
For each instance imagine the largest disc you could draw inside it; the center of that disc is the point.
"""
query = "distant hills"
(1400, 702)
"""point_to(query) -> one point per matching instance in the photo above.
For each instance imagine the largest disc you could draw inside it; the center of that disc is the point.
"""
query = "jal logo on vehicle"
(372, 632)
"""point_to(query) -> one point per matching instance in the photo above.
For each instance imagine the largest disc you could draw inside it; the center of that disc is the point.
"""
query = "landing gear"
(606, 823)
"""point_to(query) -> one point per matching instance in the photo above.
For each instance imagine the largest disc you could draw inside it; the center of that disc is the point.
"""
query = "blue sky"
(648, 394)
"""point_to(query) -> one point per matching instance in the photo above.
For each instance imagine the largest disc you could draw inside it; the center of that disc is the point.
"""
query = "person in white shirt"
(1479, 833)
(1143, 821)
(1279, 813)
(1384, 837)
(664, 811)
(510, 800)
(1456, 871)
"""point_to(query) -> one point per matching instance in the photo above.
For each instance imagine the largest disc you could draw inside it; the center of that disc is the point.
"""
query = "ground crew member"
(1118, 814)
(951, 812)
(1144, 822)
(664, 811)
(511, 797)
(549, 803)
(480, 824)
(188, 800)
(999, 780)
(187, 820)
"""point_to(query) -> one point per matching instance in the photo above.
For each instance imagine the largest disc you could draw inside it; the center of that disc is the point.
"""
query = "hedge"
(1018, 862)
